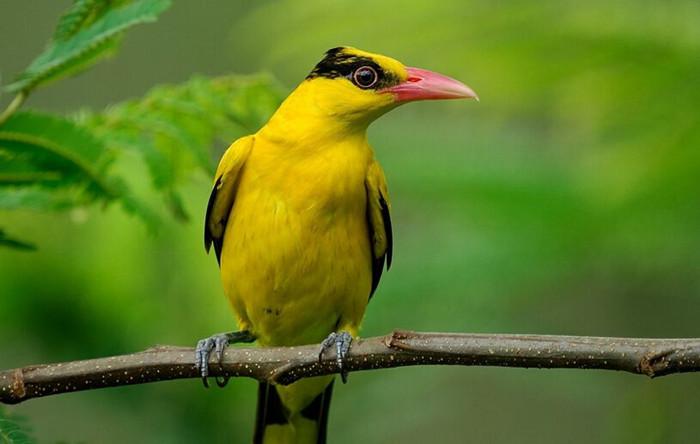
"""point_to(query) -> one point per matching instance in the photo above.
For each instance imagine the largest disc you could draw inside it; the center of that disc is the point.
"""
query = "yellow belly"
(296, 261)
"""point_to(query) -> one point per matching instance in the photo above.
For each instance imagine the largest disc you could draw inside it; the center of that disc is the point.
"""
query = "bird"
(299, 219)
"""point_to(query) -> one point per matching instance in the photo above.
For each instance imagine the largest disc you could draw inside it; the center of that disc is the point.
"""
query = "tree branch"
(284, 365)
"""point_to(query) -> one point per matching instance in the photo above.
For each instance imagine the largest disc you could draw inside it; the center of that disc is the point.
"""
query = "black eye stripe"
(343, 66)
(338, 63)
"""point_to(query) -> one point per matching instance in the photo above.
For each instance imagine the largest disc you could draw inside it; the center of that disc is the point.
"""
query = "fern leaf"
(51, 143)
(174, 127)
(39, 198)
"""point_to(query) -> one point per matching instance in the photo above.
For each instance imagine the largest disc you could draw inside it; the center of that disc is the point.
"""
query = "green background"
(566, 202)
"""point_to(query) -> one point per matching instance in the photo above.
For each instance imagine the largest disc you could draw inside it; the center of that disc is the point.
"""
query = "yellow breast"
(296, 261)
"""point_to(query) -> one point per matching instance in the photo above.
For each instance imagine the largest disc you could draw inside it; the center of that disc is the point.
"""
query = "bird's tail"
(277, 424)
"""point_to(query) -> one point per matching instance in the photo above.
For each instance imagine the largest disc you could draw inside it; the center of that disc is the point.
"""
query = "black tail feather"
(272, 411)
(318, 411)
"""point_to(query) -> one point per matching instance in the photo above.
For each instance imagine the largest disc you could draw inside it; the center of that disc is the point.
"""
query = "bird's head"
(358, 86)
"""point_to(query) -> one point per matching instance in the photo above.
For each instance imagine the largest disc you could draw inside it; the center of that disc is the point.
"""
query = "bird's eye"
(365, 77)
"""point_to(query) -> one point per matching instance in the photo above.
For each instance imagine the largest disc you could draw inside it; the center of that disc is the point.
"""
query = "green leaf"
(37, 198)
(20, 171)
(80, 13)
(102, 50)
(51, 163)
(73, 51)
(53, 144)
(13, 429)
(6, 241)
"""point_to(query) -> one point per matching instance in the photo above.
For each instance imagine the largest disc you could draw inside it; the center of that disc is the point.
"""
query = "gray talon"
(326, 344)
(342, 342)
(220, 343)
(202, 353)
(217, 343)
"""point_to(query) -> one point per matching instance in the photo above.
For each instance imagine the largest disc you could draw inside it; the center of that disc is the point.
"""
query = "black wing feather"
(386, 217)
(209, 238)
(378, 263)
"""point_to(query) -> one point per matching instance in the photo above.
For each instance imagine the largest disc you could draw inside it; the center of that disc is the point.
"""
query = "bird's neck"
(303, 122)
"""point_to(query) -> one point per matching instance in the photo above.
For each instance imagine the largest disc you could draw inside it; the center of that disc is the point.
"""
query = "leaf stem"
(13, 106)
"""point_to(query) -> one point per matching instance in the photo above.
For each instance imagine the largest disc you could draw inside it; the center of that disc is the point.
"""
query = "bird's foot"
(217, 344)
(342, 341)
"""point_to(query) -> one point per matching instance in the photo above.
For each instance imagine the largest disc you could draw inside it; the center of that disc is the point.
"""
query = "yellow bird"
(299, 219)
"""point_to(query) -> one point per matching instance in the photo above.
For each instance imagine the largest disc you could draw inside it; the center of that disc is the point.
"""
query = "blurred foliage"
(13, 430)
(174, 127)
(564, 203)
(46, 152)
(52, 162)
(14, 243)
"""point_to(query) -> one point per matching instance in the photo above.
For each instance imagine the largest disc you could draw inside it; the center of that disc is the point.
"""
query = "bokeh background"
(566, 202)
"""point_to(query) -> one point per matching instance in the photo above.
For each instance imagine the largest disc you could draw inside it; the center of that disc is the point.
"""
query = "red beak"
(427, 85)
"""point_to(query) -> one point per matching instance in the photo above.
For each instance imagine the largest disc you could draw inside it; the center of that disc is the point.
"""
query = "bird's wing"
(379, 221)
(224, 192)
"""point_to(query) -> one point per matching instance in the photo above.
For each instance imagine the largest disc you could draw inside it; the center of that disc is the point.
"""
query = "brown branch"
(284, 365)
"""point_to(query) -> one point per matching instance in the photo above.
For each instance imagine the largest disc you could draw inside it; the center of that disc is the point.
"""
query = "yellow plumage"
(299, 217)
(299, 236)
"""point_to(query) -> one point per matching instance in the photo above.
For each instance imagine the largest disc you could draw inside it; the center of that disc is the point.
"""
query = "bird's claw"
(203, 351)
(342, 341)
(216, 343)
